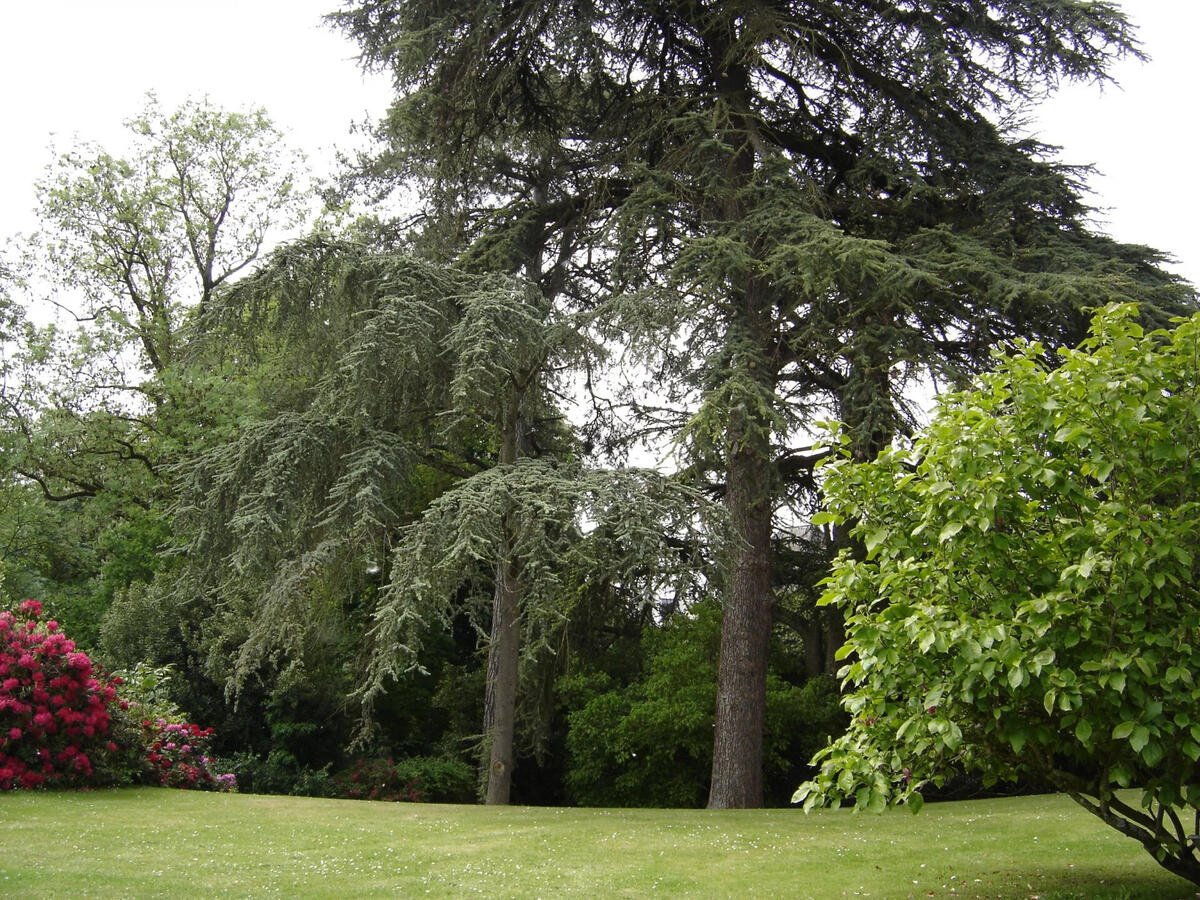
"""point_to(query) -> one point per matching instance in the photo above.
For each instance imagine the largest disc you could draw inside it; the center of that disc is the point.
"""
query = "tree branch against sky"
(104, 58)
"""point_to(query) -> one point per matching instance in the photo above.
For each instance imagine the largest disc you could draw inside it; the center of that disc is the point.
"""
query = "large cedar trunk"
(737, 781)
(504, 647)
(500, 702)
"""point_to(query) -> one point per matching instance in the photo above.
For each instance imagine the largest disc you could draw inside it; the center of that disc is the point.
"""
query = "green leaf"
(1048, 701)
(878, 802)
(862, 797)
(1123, 730)
(949, 531)
(1139, 738)
(874, 538)
(1152, 753)
(1083, 730)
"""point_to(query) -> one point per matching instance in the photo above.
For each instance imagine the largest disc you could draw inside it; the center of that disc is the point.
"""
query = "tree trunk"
(500, 702)
(504, 646)
(745, 630)
(834, 636)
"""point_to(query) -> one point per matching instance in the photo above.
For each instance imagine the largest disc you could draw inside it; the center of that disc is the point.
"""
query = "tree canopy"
(95, 406)
(128, 248)
(379, 473)
(383, 490)
(788, 208)
(1027, 605)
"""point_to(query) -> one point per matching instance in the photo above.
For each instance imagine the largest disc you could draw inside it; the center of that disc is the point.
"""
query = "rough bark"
(504, 648)
(737, 781)
(500, 702)
(745, 635)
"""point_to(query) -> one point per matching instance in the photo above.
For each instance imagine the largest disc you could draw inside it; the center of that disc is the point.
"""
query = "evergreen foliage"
(365, 509)
(318, 484)
(789, 208)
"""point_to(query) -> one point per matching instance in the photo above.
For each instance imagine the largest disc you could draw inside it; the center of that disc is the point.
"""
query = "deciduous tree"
(1027, 607)
(128, 245)
(93, 407)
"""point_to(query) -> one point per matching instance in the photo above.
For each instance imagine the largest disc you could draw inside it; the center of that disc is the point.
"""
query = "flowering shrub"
(60, 724)
(179, 755)
(54, 712)
(377, 779)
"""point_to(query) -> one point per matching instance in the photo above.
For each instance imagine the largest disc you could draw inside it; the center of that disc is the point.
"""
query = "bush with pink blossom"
(63, 725)
(179, 755)
(55, 713)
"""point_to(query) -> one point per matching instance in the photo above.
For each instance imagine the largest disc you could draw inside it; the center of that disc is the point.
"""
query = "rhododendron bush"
(62, 725)
(179, 755)
(54, 711)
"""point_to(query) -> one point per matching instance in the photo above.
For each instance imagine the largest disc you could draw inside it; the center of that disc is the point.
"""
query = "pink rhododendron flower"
(52, 708)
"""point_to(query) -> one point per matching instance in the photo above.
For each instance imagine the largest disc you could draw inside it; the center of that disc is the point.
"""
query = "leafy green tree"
(1027, 605)
(649, 742)
(130, 247)
(787, 208)
(140, 239)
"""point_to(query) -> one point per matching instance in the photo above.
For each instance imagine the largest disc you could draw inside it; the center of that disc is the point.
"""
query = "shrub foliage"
(1026, 606)
(62, 725)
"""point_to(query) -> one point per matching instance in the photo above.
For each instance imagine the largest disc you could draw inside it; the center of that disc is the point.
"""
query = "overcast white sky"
(80, 67)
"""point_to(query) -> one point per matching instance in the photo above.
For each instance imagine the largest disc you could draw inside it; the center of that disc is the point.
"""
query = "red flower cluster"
(378, 779)
(179, 756)
(53, 710)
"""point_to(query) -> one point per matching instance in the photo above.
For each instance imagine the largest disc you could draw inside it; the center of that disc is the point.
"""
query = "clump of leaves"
(1026, 604)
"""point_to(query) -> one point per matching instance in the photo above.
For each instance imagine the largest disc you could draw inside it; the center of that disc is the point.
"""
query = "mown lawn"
(158, 842)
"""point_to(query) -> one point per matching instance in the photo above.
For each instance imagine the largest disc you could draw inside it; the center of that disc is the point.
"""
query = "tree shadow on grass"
(1075, 884)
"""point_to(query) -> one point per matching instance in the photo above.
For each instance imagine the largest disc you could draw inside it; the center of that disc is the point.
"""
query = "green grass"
(157, 842)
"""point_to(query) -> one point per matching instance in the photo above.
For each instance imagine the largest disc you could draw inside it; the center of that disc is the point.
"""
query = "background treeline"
(368, 495)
